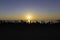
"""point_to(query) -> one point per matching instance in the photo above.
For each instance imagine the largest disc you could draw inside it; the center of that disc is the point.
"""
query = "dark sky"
(39, 8)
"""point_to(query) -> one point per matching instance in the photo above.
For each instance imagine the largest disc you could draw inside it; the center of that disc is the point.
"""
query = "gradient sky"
(39, 9)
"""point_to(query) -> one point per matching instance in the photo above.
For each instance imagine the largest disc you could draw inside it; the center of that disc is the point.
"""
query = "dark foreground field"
(33, 31)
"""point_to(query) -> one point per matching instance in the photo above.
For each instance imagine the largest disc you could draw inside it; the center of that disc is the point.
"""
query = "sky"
(38, 9)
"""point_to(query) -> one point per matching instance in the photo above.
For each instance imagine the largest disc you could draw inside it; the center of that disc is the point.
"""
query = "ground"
(29, 31)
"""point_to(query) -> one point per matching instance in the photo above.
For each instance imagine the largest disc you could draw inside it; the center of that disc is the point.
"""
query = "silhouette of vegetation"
(31, 24)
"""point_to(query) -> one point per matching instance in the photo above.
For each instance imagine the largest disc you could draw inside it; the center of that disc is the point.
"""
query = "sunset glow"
(28, 17)
(36, 10)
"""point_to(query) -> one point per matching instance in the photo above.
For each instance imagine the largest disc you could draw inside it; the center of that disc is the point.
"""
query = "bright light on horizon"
(28, 18)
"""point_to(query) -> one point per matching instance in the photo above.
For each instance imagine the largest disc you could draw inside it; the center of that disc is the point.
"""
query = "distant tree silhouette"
(24, 22)
(58, 21)
(37, 22)
(42, 22)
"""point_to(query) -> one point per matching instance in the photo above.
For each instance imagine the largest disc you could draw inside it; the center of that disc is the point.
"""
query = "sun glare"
(28, 18)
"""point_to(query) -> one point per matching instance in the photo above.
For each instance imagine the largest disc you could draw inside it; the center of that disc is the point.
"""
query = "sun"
(28, 18)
